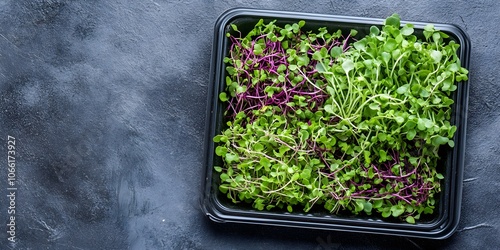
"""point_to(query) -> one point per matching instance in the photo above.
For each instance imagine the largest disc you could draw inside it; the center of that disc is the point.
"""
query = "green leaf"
(367, 157)
(258, 147)
(241, 89)
(413, 161)
(367, 207)
(403, 89)
(386, 213)
(395, 169)
(436, 36)
(281, 78)
(378, 203)
(424, 93)
(281, 68)
(393, 20)
(383, 156)
(390, 45)
(283, 149)
(428, 31)
(374, 106)
(428, 210)
(407, 30)
(323, 52)
(411, 134)
(224, 177)
(399, 119)
(454, 67)
(231, 158)
(235, 28)
(217, 169)
(239, 178)
(220, 138)
(439, 140)
(428, 123)
(436, 100)
(409, 209)
(223, 188)
(436, 56)
(374, 30)
(439, 176)
(257, 49)
(421, 124)
(302, 61)
(329, 109)
(221, 151)
(223, 97)
(359, 205)
(382, 137)
(397, 210)
(348, 65)
(231, 70)
(429, 27)
(265, 162)
(386, 57)
(320, 68)
(304, 135)
(451, 131)
(335, 51)
(284, 44)
(360, 45)
(410, 219)
(259, 206)
(306, 174)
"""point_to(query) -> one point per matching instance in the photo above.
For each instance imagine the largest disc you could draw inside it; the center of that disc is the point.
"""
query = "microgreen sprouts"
(355, 125)
(270, 67)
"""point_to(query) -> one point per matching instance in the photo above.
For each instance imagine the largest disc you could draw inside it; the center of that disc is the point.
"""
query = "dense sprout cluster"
(351, 123)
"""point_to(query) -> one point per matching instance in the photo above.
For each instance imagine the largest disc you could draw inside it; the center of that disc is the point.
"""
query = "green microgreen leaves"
(407, 30)
(436, 56)
(348, 65)
(313, 119)
(393, 20)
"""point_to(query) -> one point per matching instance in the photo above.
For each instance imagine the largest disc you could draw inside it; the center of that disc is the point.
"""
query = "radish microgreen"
(349, 123)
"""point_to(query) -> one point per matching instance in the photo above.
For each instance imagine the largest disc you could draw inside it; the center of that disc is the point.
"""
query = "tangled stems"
(272, 69)
(313, 119)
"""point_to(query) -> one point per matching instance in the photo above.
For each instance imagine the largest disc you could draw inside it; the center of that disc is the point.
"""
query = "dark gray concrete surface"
(106, 100)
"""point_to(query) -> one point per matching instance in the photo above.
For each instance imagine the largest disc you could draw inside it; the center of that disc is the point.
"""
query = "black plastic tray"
(219, 209)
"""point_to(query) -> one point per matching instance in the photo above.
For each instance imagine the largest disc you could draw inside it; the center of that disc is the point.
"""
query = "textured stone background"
(107, 102)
